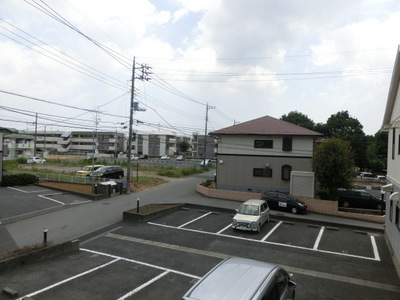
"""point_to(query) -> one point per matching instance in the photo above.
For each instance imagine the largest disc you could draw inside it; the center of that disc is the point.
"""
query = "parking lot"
(163, 258)
(20, 202)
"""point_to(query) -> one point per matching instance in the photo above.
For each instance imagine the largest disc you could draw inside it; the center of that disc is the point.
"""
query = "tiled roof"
(266, 126)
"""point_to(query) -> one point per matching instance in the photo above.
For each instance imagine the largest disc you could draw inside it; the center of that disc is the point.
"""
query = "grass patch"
(177, 172)
(146, 182)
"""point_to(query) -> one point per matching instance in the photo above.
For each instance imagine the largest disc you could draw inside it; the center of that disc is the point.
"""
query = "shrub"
(18, 179)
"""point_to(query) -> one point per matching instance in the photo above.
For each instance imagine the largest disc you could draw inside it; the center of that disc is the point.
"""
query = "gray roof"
(266, 126)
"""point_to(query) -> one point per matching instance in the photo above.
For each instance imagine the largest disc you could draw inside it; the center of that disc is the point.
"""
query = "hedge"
(18, 179)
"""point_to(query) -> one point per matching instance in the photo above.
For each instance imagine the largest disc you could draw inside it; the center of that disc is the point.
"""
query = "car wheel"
(294, 210)
(259, 228)
(346, 204)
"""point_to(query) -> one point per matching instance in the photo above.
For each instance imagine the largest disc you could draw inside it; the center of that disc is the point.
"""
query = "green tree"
(299, 119)
(183, 146)
(342, 126)
(377, 151)
(333, 166)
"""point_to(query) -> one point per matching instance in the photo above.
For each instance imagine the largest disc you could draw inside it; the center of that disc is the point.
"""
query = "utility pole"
(205, 134)
(143, 76)
(94, 143)
(34, 145)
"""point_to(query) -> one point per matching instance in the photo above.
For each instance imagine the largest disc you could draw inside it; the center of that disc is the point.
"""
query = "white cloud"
(248, 58)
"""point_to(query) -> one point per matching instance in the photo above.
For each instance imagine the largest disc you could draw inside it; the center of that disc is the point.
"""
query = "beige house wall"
(301, 146)
(235, 172)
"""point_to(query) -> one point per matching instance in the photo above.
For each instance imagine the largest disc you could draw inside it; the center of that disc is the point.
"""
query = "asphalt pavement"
(76, 221)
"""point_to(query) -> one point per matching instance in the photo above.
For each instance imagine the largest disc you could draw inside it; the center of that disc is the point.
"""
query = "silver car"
(37, 160)
(240, 278)
(251, 215)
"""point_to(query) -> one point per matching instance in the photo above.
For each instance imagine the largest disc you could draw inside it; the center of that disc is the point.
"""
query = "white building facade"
(391, 124)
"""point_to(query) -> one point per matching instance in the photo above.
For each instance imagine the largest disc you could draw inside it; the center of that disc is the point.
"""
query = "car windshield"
(247, 209)
(101, 169)
(86, 168)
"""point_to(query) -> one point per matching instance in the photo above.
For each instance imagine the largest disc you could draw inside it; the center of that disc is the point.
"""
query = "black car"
(282, 201)
(359, 199)
(114, 172)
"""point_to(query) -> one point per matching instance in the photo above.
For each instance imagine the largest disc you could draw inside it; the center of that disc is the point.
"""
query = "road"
(76, 221)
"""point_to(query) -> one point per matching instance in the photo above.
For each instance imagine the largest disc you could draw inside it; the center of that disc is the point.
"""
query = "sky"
(67, 65)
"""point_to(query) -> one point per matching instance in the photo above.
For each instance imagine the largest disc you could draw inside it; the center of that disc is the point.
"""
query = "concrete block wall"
(314, 205)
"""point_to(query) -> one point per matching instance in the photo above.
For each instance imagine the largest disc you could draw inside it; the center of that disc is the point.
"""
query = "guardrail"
(61, 177)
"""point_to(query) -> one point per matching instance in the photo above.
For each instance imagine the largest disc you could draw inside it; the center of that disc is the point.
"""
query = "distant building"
(79, 143)
(17, 145)
(3, 148)
(198, 145)
(155, 143)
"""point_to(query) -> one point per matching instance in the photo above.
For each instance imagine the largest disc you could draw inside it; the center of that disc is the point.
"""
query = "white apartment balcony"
(20, 146)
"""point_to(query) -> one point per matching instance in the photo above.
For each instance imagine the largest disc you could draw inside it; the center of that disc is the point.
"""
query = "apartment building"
(79, 142)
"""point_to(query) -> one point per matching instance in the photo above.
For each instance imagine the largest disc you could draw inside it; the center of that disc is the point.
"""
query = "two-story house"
(259, 155)
(391, 124)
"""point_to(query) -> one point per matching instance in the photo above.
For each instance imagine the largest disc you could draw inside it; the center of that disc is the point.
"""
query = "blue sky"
(246, 58)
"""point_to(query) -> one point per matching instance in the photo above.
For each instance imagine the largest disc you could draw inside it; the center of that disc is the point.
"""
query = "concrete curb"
(39, 255)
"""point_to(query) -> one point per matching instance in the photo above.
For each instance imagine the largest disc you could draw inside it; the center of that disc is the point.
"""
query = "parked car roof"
(234, 278)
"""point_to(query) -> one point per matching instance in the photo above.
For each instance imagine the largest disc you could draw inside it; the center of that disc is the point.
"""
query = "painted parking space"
(99, 275)
(349, 242)
(334, 241)
(158, 261)
(288, 233)
(25, 201)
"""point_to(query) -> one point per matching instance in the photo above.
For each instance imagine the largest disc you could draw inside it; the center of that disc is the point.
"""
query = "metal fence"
(61, 177)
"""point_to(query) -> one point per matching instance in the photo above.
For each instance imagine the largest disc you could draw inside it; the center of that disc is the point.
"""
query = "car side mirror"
(291, 285)
(236, 210)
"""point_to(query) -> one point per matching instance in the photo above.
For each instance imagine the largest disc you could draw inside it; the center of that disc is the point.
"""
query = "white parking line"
(140, 263)
(48, 198)
(26, 192)
(318, 240)
(375, 248)
(205, 215)
(143, 286)
(222, 230)
(115, 259)
(271, 231)
(375, 258)
(68, 279)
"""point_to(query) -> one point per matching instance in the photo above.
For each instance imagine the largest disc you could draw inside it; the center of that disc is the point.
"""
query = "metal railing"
(61, 177)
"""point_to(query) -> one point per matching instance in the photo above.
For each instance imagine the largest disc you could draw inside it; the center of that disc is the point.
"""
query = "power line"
(48, 10)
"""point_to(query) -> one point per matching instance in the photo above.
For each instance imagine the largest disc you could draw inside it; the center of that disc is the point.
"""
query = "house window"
(263, 144)
(286, 169)
(287, 144)
(262, 172)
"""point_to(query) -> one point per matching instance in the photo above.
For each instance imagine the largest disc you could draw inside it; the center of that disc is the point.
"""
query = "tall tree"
(377, 152)
(333, 165)
(299, 119)
(183, 146)
(342, 126)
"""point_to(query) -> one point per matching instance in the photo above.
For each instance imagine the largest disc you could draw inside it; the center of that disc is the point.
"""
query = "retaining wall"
(39, 255)
(313, 205)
